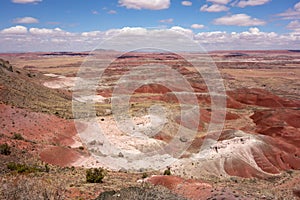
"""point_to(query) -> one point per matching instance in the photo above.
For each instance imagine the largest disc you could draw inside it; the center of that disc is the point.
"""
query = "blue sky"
(267, 19)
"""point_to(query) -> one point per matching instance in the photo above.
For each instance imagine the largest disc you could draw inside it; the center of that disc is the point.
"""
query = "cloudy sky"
(80, 25)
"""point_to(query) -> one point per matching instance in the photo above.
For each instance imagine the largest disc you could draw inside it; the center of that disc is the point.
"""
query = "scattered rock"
(137, 193)
(93, 142)
(123, 170)
(183, 139)
(296, 192)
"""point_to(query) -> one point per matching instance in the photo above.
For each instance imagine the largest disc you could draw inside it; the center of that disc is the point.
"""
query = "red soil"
(192, 189)
(153, 88)
(205, 118)
(42, 129)
(38, 127)
(236, 167)
(261, 97)
(282, 133)
(61, 156)
(280, 150)
(163, 137)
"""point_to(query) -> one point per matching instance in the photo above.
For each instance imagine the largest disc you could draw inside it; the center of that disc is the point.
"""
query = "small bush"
(47, 168)
(95, 175)
(139, 193)
(5, 149)
(33, 188)
(145, 175)
(22, 168)
(167, 172)
(18, 136)
(81, 148)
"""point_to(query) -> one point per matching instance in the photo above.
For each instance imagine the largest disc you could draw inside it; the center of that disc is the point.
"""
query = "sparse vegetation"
(5, 149)
(145, 175)
(18, 136)
(95, 175)
(31, 188)
(290, 172)
(21, 96)
(23, 168)
(138, 193)
(167, 172)
(81, 148)
(47, 168)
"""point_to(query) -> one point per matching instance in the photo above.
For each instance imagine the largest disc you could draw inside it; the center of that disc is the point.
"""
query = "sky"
(81, 25)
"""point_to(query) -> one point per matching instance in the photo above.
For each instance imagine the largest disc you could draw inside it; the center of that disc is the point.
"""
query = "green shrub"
(167, 172)
(20, 168)
(18, 136)
(95, 175)
(23, 168)
(4, 149)
(81, 148)
(47, 168)
(145, 175)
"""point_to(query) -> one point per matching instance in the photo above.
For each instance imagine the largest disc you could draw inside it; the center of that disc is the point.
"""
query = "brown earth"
(262, 98)
(262, 101)
(53, 141)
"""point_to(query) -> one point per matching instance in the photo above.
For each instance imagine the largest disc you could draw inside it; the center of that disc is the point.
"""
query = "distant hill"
(20, 88)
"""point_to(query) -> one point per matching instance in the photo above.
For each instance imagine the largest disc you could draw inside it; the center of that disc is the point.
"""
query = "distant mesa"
(295, 51)
(236, 54)
(65, 54)
(128, 56)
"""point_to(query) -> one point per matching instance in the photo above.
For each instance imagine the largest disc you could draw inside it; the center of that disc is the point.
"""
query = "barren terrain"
(256, 156)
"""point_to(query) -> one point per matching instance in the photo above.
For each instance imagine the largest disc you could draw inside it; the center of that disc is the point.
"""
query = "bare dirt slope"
(257, 150)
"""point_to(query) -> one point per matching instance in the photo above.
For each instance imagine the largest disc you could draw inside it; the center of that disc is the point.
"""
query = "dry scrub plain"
(257, 155)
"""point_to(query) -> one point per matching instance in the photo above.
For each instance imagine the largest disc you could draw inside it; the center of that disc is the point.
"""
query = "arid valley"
(256, 155)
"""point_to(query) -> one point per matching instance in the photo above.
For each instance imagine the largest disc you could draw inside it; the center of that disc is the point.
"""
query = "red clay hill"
(257, 150)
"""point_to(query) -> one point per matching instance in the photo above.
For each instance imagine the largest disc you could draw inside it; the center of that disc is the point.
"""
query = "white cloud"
(213, 8)
(294, 25)
(112, 12)
(17, 38)
(26, 1)
(211, 38)
(291, 13)
(145, 4)
(245, 3)
(15, 30)
(186, 3)
(185, 31)
(91, 34)
(26, 20)
(132, 38)
(239, 20)
(251, 39)
(133, 30)
(48, 32)
(219, 1)
(95, 12)
(297, 6)
(56, 40)
(41, 31)
(197, 26)
(254, 30)
(167, 21)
